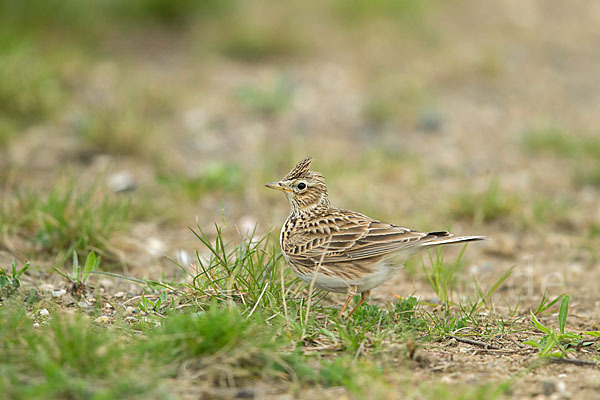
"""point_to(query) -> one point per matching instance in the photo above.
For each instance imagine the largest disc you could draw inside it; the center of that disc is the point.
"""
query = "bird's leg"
(364, 296)
(351, 291)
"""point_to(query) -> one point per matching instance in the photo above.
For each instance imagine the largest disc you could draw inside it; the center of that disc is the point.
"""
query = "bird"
(344, 251)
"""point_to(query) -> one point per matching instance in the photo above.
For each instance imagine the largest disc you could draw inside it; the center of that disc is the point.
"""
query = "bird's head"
(305, 189)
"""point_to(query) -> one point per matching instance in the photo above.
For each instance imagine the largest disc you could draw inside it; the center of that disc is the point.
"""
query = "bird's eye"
(302, 186)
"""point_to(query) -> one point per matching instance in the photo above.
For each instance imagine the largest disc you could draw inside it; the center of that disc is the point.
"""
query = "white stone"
(183, 257)
(247, 225)
(155, 247)
(121, 181)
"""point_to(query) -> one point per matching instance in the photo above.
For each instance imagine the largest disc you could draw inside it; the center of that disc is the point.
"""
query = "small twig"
(440, 367)
(584, 341)
(285, 311)
(360, 349)
(502, 351)
(521, 345)
(258, 301)
(310, 290)
(582, 363)
(135, 298)
(318, 348)
(312, 284)
(143, 282)
(272, 316)
(475, 342)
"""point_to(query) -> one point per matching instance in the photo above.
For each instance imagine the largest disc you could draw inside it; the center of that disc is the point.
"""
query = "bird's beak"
(277, 186)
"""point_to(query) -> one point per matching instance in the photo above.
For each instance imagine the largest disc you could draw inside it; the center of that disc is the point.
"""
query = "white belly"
(382, 272)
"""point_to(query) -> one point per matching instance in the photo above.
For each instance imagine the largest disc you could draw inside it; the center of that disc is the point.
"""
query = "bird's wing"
(346, 235)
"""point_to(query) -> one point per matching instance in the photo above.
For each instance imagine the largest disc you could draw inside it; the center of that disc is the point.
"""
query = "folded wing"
(345, 235)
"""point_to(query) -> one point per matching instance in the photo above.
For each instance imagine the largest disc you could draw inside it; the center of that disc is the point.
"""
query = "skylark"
(349, 252)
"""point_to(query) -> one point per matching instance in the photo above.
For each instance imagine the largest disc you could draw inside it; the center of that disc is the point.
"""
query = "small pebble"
(183, 256)
(548, 388)
(106, 283)
(430, 121)
(121, 182)
(58, 293)
(129, 311)
(109, 306)
(102, 320)
(576, 270)
(44, 312)
(561, 387)
(245, 394)
(119, 294)
(46, 287)
(155, 247)
(36, 325)
(247, 225)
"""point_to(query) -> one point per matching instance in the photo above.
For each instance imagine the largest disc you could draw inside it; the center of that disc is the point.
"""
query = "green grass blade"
(533, 343)
(539, 325)
(551, 342)
(500, 281)
(544, 305)
(563, 313)
(91, 263)
(75, 276)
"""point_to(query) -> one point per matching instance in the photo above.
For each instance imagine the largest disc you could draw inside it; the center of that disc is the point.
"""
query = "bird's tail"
(443, 237)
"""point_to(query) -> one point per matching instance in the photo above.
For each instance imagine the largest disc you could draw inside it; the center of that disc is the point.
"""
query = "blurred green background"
(127, 120)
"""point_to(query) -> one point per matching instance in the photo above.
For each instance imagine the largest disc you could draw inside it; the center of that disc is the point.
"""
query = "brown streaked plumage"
(351, 252)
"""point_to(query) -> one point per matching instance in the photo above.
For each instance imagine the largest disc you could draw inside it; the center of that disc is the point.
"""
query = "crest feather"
(301, 169)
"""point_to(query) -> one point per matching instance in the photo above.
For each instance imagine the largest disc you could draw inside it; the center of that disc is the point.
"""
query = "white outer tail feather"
(452, 239)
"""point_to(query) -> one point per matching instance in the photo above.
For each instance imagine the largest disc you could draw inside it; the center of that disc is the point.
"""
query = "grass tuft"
(557, 344)
(78, 278)
(215, 177)
(555, 141)
(253, 42)
(218, 344)
(582, 151)
(267, 101)
(407, 11)
(30, 87)
(64, 220)
(489, 205)
(360, 377)
(173, 14)
(588, 176)
(10, 282)
(66, 358)
(127, 125)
